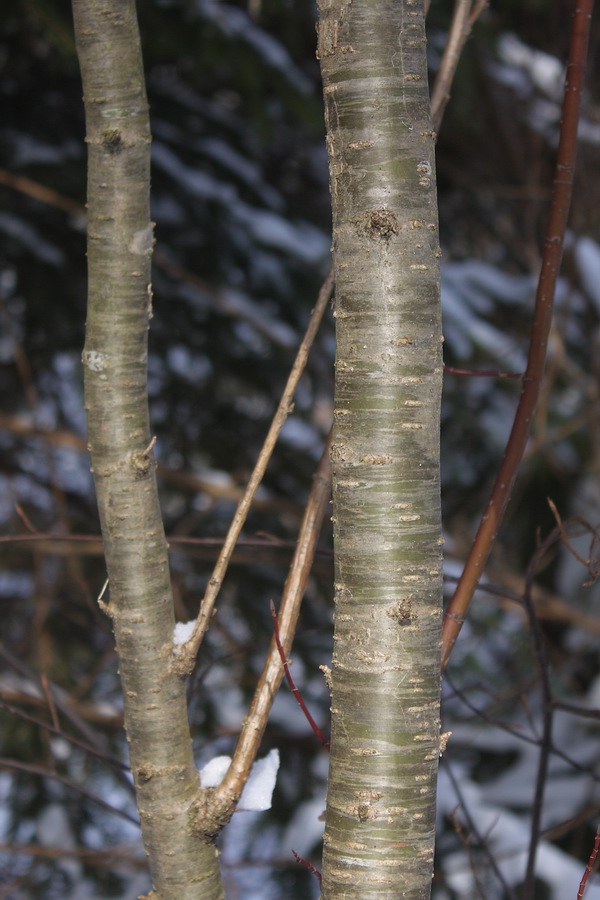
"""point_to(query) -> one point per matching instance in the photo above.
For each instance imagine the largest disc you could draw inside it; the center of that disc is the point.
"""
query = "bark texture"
(379, 833)
(183, 865)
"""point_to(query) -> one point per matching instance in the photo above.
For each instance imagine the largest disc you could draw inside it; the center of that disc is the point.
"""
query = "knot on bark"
(113, 141)
(403, 612)
(213, 811)
(141, 462)
(382, 224)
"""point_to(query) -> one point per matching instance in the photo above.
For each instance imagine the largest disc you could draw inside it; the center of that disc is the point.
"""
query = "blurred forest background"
(240, 201)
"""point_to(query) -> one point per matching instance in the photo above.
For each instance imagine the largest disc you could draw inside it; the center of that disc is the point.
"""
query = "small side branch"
(224, 798)
(466, 13)
(187, 653)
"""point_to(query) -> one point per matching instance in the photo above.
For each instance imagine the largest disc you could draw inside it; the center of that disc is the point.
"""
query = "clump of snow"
(183, 632)
(258, 792)
(259, 788)
(213, 773)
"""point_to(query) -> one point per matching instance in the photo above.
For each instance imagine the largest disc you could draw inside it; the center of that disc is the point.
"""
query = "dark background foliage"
(241, 209)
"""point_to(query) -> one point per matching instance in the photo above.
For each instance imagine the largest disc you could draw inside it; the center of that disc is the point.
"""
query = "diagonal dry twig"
(466, 13)
(225, 796)
(184, 661)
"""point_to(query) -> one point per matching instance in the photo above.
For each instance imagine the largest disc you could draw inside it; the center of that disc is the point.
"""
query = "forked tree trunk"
(379, 833)
(183, 866)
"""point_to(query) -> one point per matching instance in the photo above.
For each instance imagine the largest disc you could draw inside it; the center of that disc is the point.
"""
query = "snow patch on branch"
(183, 632)
(258, 791)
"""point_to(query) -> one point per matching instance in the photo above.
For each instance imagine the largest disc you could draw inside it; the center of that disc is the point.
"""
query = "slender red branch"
(291, 683)
(589, 867)
(309, 866)
(551, 259)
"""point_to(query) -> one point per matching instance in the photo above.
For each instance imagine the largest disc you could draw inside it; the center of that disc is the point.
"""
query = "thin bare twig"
(187, 652)
(60, 702)
(466, 13)
(50, 700)
(106, 757)
(41, 193)
(546, 742)
(520, 735)
(25, 519)
(474, 831)
(552, 256)
(28, 673)
(47, 773)
(547, 605)
(109, 858)
(254, 724)
(591, 562)
(23, 426)
(575, 710)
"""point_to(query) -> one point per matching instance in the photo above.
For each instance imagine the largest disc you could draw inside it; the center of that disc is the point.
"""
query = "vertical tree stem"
(182, 864)
(379, 832)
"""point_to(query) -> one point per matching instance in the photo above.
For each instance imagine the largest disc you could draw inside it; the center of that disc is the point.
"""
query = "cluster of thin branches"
(61, 708)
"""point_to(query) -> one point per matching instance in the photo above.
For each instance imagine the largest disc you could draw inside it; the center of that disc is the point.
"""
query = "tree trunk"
(379, 833)
(183, 866)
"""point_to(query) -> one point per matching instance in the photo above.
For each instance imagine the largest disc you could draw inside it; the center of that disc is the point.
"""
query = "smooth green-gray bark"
(379, 833)
(183, 864)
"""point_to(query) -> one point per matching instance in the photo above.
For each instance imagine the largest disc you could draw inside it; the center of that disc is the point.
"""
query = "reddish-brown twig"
(590, 865)
(553, 248)
(307, 865)
(290, 681)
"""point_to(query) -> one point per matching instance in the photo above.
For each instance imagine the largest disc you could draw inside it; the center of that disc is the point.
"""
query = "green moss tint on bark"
(183, 866)
(379, 833)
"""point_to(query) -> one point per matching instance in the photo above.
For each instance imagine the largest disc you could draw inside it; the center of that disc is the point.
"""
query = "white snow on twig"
(258, 792)
(183, 632)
